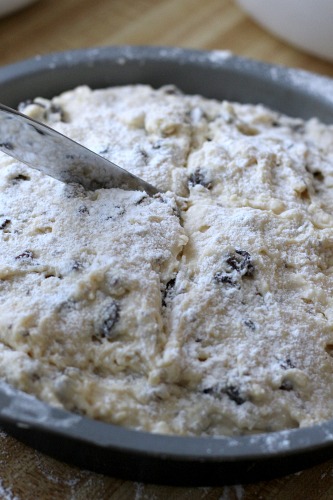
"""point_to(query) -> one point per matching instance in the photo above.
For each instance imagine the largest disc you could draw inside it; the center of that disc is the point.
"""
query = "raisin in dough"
(203, 311)
(81, 279)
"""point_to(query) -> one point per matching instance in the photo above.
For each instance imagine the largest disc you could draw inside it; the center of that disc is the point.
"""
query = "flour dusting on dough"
(205, 310)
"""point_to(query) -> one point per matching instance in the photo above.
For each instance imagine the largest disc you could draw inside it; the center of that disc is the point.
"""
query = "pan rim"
(16, 407)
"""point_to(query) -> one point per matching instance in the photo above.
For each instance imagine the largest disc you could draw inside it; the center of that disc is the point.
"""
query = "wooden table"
(50, 25)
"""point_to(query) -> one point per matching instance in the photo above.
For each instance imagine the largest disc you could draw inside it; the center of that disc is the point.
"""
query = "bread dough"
(205, 310)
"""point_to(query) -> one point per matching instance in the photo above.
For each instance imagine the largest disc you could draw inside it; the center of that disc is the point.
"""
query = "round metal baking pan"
(122, 452)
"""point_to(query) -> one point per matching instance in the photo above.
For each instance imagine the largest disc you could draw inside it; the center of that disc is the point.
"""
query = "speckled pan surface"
(122, 452)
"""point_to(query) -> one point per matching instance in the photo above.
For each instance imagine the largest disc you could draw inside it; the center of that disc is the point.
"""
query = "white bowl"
(8, 6)
(307, 24)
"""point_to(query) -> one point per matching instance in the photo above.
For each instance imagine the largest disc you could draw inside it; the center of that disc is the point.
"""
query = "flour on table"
(204, 310)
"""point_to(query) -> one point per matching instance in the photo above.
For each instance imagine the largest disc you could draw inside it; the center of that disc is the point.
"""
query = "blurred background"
(40, 26)
(294, 33)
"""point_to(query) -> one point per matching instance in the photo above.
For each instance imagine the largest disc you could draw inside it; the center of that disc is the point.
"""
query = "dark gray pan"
(136, 455)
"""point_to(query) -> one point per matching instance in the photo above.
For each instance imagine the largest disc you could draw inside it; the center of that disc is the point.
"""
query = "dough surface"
(205, 310)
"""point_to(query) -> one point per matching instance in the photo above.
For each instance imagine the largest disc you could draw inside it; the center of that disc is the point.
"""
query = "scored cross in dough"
(206, 310)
